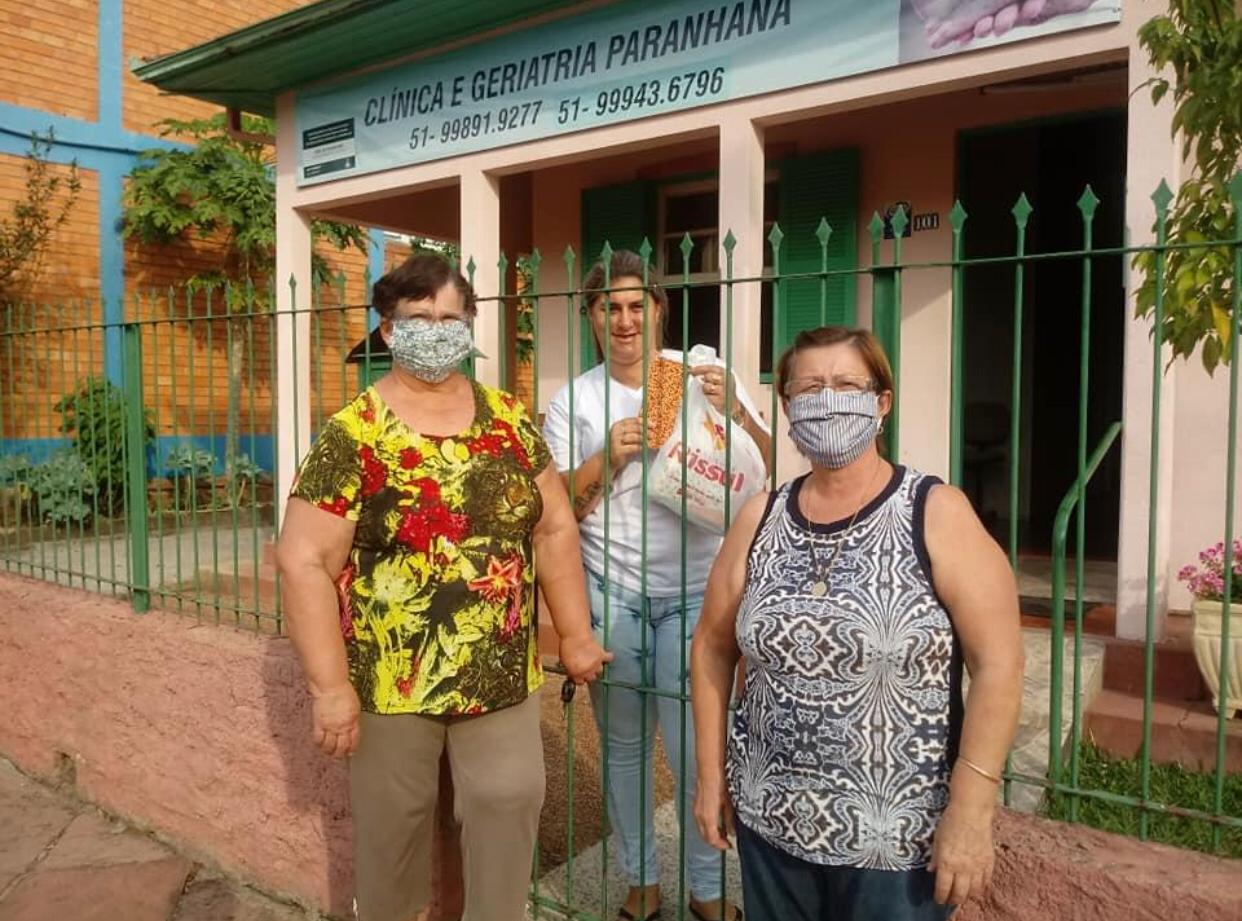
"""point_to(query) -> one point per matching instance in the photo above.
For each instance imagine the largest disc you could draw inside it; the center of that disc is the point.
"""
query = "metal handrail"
(1060, 536)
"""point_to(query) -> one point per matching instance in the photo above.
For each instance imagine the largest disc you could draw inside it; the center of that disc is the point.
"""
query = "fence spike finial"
(899, 221)
(875, 227)
(823, 232)
(1088, 202)
(729, 242)
(687, 249)
(644, 251)
(1235, 190)
(1021, 211)
(957, 216)
(1162, 198)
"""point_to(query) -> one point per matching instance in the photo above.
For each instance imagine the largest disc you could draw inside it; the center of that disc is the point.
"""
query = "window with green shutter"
(622, 215)
(813, 187)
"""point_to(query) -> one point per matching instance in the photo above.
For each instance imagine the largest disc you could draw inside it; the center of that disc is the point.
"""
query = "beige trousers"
(498, 783)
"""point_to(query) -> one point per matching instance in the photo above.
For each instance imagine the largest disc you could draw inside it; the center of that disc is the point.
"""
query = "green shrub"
(63, 487)
(94, 416)
(14, 470)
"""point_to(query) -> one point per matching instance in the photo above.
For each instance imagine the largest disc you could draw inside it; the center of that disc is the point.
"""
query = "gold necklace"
(819, 588)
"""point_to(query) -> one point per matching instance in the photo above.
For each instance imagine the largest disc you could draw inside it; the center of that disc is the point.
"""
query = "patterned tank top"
(848, 723)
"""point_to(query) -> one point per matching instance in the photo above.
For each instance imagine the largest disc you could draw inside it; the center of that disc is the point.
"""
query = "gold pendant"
(819, 589)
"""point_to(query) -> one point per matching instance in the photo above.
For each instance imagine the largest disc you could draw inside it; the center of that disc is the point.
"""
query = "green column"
(136, 471)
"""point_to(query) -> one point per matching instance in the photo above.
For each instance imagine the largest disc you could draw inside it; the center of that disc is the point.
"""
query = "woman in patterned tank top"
(863, 788)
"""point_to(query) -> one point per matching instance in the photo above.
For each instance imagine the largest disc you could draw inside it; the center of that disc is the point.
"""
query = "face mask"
(430, 351)
(834, 429)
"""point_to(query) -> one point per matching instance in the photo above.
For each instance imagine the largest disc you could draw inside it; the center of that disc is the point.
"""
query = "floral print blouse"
(437, 599)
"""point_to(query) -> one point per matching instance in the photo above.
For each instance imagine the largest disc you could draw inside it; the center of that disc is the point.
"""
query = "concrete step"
(1030, 748)
(1181, 732)
(1176, 675)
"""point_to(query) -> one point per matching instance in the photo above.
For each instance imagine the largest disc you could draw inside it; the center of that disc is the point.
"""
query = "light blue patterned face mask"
(428, 350)
(834, 429)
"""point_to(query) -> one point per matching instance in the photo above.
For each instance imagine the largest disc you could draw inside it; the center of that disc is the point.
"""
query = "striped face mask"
(834, 429)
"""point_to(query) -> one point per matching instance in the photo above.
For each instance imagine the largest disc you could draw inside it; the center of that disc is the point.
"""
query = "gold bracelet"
(995, 778)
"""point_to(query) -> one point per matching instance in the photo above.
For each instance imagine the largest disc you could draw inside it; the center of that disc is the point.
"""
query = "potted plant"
(1206, 582)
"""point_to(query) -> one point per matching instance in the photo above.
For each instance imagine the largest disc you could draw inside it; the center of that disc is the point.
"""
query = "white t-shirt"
(625, 506)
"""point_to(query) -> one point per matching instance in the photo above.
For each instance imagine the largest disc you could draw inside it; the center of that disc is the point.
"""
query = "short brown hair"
(420, 276)
(625, 264)
(863, 341)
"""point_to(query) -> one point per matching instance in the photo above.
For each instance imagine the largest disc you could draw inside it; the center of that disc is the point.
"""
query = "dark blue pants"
(780, 887)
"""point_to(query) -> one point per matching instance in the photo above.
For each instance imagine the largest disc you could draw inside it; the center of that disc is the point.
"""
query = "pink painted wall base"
(201, 733)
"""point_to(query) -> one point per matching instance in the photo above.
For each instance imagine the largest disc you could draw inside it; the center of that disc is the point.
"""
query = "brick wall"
(55, 40)
(48, 55)
(158, 27)
(36, 369)
(70, 270)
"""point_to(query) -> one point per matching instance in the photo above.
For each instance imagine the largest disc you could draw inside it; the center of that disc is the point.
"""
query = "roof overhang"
(248, 68)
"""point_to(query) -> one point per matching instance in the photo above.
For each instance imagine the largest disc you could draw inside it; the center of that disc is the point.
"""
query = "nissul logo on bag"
(701, 465)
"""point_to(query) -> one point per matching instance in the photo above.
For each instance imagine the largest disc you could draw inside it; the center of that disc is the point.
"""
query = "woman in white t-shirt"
(649, 627)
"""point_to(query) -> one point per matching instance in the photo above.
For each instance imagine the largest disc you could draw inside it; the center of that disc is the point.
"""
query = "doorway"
(1052, 162)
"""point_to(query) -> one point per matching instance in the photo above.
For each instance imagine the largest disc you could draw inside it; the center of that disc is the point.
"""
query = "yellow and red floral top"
(437, 599)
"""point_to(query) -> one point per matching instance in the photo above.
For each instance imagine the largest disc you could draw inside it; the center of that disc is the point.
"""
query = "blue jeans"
(648, 638)
(780, 887)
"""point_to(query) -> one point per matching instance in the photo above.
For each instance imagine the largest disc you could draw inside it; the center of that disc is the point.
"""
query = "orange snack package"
(663, 400)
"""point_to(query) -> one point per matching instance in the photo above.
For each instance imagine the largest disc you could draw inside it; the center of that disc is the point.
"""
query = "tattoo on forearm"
(587, 498)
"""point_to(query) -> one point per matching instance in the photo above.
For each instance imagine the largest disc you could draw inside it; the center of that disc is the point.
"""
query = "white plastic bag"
(703, 458)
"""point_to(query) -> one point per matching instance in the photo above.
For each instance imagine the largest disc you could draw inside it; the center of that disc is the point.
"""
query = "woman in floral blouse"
(408, 561)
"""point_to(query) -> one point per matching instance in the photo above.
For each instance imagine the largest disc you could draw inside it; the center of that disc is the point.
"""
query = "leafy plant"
(94, 416)
(223, 189)
(1201, 42)
(244, 468)
(190, 463)
(63, 486)
(14, 470)
(189, 467)
(42, 207)
(524, 340)
(243, 474)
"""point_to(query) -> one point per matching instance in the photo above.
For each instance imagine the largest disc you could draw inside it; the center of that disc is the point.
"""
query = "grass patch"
(1171, 785)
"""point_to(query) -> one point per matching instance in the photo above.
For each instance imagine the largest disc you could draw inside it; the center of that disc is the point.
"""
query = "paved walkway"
(61, 860)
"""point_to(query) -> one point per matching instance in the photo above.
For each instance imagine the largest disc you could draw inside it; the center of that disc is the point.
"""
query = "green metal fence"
(137, 458)
(162, 488)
